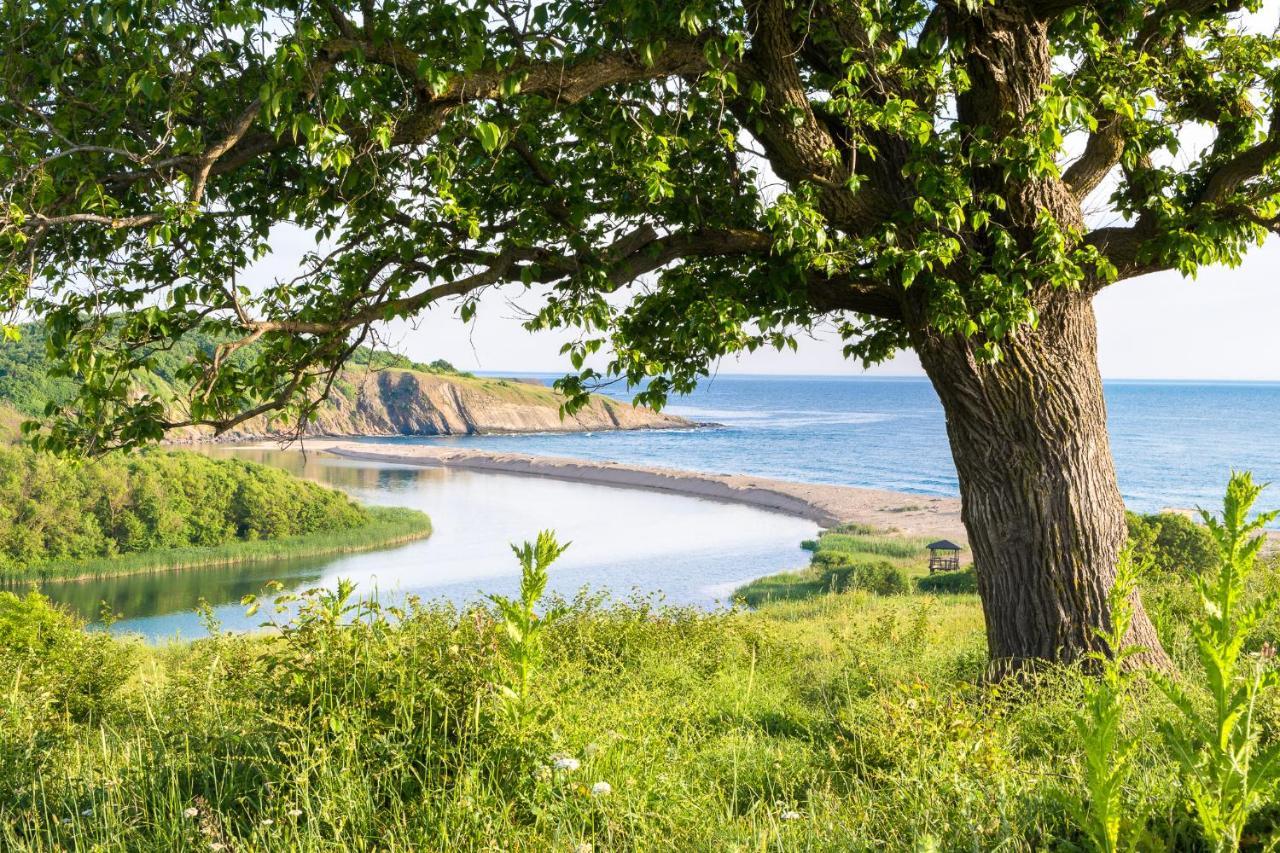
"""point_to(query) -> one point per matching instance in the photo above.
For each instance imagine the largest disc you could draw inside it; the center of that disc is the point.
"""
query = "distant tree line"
(30, 380)
(53, 509)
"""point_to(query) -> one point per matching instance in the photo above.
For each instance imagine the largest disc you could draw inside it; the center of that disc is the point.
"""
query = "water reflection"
(693, 551)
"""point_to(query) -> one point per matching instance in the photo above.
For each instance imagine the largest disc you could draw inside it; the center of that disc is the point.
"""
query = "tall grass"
(849, 721)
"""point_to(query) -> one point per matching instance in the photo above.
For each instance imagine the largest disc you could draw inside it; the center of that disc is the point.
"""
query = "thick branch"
(1101, 154)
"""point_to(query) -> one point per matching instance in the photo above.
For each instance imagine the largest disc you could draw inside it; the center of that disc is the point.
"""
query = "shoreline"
(828, 505)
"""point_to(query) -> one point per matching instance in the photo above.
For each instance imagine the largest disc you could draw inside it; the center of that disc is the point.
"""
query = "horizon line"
(892, 376)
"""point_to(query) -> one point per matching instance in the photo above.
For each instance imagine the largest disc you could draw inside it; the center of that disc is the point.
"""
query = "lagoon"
(695, 551)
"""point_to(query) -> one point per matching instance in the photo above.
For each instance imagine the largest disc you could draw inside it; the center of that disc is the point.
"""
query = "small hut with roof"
(944, 556)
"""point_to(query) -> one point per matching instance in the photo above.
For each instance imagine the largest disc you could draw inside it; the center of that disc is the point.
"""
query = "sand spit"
(898, 512)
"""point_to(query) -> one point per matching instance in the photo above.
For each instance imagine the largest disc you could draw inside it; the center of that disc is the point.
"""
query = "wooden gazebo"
(944, 556)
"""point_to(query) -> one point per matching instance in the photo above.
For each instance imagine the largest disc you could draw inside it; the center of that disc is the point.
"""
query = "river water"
(623, 540)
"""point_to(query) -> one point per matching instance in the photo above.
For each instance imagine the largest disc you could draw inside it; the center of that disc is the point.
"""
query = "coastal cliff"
(393, 401)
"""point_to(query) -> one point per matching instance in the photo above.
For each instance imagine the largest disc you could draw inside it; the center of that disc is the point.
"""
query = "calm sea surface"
(1174, 443)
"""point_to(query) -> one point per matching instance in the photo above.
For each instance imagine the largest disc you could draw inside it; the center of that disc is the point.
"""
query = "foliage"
(1104, 810)
(1171, 542)
(31, 382)
(845, 558)
(383, 528)
(55, 510)
(958, 582)
(523, 627)
(1227, 771)
(800, 725)
(770, 163)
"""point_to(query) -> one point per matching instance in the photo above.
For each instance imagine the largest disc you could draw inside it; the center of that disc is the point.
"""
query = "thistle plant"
(1102, 812)
(1227, 772)
(521, 640)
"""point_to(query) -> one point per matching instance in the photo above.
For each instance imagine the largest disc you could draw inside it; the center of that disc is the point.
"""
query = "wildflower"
(86, 812)
(217, 845)
(294, 812)
(266, 821)
(791, 814)
(584, 847)
(566, 763)
(601, 789)
(191, 812)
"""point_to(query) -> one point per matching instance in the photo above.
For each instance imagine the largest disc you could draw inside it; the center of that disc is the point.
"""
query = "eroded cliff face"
(406, 402)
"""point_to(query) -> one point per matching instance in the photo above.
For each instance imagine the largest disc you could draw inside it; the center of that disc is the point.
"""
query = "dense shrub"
(1172, 542)
(54, 677)
(963, 581)
(54, 510)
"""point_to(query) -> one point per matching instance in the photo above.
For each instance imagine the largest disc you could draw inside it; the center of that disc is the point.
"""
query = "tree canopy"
(746, 169)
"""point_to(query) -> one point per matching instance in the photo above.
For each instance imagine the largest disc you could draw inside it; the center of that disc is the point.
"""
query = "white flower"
(584, 847)
(601, 789)
(566, 763)
(266, 821)
(791, 814)
(86, 812)
(295, 812)
(217, 845)
(191, 812)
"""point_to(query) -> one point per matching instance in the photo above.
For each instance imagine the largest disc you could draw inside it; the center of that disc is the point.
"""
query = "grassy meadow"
(837, 719)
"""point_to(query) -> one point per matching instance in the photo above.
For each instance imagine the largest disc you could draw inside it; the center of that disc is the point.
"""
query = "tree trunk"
(1038, 486)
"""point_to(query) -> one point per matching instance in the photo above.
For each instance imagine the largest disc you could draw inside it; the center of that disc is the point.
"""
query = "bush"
(951, 583)
(54, 677)
(880, 578)
(1172, 542)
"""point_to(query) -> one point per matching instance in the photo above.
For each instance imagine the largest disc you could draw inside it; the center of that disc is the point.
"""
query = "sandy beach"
(892, 512)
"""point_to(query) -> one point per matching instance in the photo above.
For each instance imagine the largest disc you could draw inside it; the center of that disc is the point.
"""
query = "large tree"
(919, 173)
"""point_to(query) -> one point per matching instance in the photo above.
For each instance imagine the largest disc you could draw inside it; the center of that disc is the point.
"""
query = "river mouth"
(624, 541)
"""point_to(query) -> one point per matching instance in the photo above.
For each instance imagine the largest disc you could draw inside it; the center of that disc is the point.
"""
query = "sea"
(1175, 443)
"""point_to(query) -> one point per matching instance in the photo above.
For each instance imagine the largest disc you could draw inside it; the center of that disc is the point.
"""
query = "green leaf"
(489, 134)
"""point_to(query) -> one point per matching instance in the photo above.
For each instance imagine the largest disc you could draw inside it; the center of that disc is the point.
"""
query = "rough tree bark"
(1038, 487)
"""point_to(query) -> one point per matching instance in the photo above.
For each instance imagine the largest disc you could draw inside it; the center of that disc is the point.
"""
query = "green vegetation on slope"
(845, 721)
(384, 527)
(28, 383)
(845, 558)
(65, 518)
(854, 557)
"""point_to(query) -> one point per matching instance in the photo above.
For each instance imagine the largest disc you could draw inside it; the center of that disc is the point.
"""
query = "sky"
(1225, 324)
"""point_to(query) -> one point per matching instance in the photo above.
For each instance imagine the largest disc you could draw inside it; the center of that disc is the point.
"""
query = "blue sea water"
(1175, 443)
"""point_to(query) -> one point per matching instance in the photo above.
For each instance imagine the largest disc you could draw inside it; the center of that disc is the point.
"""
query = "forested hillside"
(54, 510)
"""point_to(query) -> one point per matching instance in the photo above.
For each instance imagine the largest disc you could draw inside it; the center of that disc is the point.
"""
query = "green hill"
(379, 393)
(27, 383)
